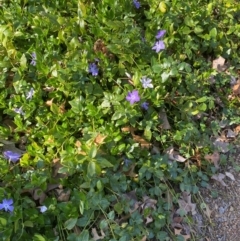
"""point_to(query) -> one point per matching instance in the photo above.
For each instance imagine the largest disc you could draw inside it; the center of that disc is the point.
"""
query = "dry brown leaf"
(63, 195)
(96, 236)
(144, 238)
(99, 140)
(214, 158)
(230, 175)
(237, 129)
(128, 129)
(49, 89)
(49, 102)
(236, 88)
(148, 203)
(143, 143)
(219, 177)
(186, 204)
(231, 134)
(207, 211)
(38, 194)
(219, 64)
(99, 46)
(62, 108)
(178, 232)
(131, 172)
(174, 156)
(163, 116)
(149, 219)
(221, 145)
(78, 144)
(52, 186)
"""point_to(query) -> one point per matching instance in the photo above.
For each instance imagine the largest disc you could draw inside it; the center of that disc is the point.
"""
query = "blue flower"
(30, 94)
(159, 45)
(133, 97)
(160, 34)
(93, 69)
(12, 156)
(19, 111)
(146, 82)
(136, 4)
(145, 105)
(43, 209)
(7, 205)
(126, 162)
(34, 59)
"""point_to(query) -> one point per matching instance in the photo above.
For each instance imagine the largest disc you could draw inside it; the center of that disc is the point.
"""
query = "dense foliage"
(93, 96)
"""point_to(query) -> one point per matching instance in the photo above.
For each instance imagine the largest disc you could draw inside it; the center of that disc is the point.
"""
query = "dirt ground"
(220, 219)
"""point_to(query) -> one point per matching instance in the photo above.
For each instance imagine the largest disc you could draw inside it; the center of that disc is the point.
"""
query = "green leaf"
(93, 169)
(77, 105)
(164, 76)
(54, 108)
(213, 33)
(117, 115)
(202, 99)
(38, 237)
(28, 224)
(104, 162)
(23, 62)
(3, 222)
(70, 223)
(92, 152)
(84, 236)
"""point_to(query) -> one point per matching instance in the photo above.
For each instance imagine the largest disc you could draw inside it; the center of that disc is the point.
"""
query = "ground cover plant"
(110, 115)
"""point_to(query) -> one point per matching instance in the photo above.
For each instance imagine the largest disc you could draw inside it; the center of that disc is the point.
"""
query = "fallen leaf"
(236, 88)
(174, 156)
(206, 210)
(230, 175)
(163, 116)
(148, 219)
(131, 172)
(185, 204)
(39, 194)
(49, 102)
(148, 203)
(230, 134)
(219, 177)
(237, 129)
(178, 232)
(221, 145)
(219, 64)
(143, 143)
(49, 89)
(96, 236)
(144, 238)
(99, 140)
(63, 195)
(214, 158)
(128, 129)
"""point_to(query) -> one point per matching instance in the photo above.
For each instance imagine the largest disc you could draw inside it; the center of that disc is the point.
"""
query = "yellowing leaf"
(162, 7)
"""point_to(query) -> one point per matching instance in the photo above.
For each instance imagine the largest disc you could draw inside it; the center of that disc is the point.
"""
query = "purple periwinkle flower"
(159, 45)
(43, 209)
(19, 111)
(6, 204)
(126, 162)
(145, 105)
(136, 4)
(93, 69)
(30, 94)
(146, 82)
(133, 97)
(12, 156)
(34, 59)
(160, 34)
